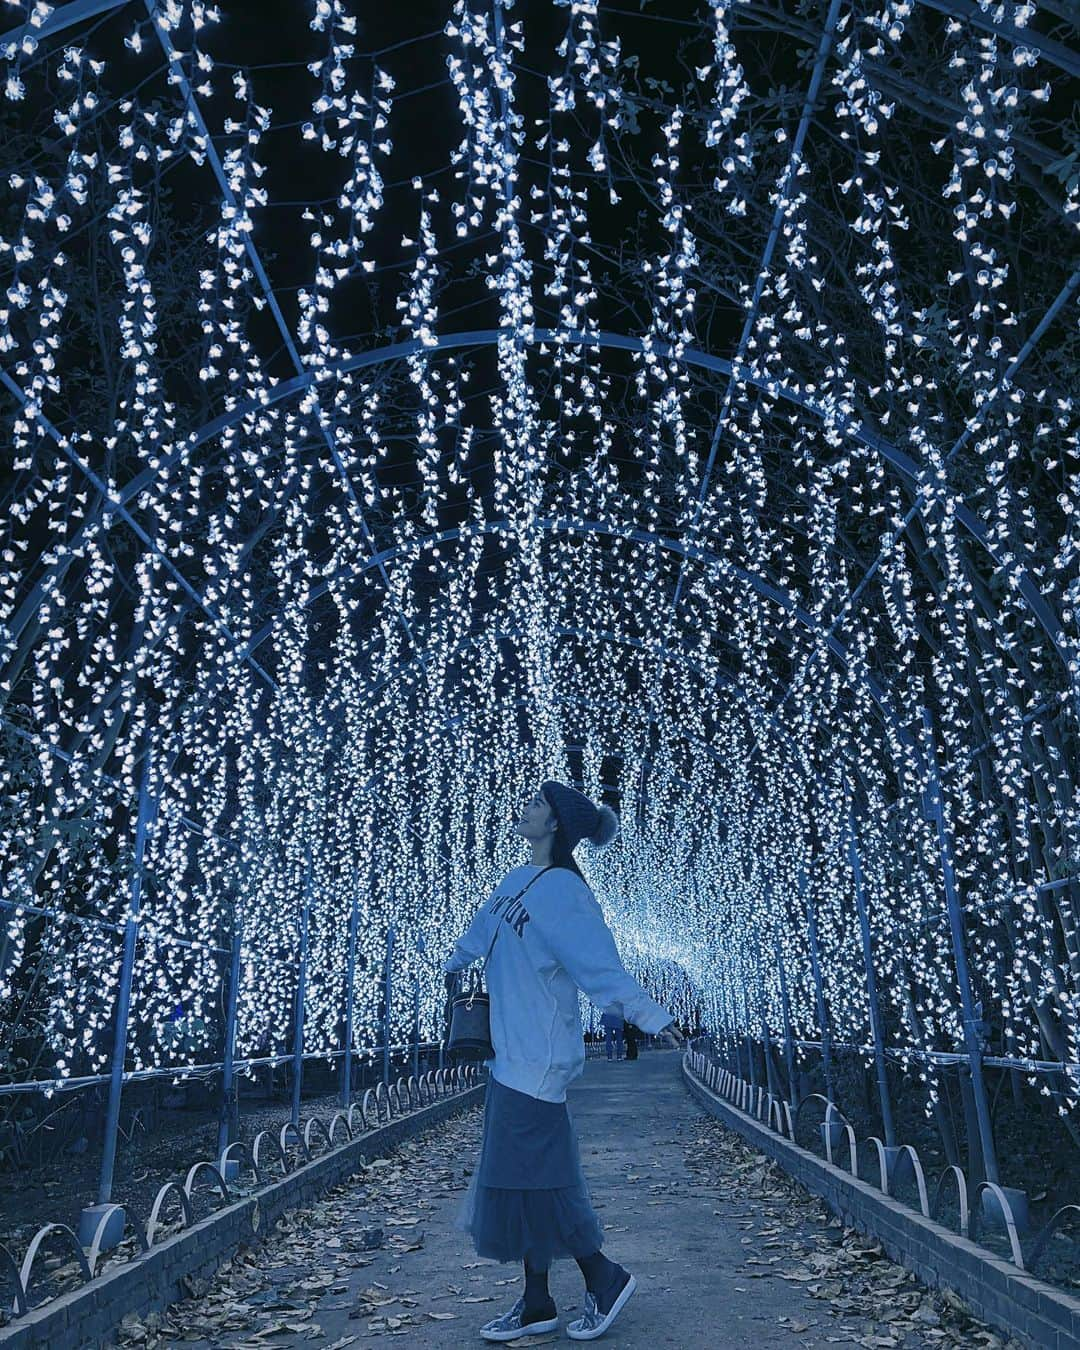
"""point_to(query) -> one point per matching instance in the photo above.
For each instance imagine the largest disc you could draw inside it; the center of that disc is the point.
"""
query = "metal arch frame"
(576, 700)
(573, 700)
(563, 525)
(214, 160)
(77, 10)
(86, 8)
(62, 18)
(692, 356)
(718, 680)
(74, 13)
(825, 45)
(795, 159)
(878, 696)
(973, 424)
(1054, 52)
(673, 725)
(120, 509)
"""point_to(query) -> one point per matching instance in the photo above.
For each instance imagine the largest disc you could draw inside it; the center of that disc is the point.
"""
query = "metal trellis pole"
(123, 1001)
(301, 991)
(728, 1020)
(416, 1028)
(227, 1122)
(386, 1012)
(766, 1040)
(416, 1009)
(871, 985)
(819, 987)
(785, 1004)
(749, 1038)
(731, 1028)
(350, 985)
(972, 1040)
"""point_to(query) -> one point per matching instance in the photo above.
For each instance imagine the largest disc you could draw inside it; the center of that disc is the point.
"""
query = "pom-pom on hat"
(580, 818)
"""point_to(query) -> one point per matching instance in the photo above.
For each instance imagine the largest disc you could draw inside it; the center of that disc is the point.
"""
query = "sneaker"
(509, 1326)
(594, 1323)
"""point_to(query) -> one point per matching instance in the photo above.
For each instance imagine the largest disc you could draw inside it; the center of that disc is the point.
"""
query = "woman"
(528, 1200)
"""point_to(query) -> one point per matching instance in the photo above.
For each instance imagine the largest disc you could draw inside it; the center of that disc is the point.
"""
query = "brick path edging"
(995, 1290)
(89, 1315)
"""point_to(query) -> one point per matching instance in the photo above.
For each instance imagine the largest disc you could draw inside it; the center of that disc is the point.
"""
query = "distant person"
(528, 1200)
(630, 1036)
(612, 1022)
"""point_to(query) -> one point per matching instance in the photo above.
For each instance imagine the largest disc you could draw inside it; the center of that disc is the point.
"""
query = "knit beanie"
(580, 818)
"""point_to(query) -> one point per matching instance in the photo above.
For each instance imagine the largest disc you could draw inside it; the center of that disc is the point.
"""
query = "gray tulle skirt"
(528, 1199)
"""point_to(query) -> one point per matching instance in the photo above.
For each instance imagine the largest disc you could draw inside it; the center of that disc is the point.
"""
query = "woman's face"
(536, 820)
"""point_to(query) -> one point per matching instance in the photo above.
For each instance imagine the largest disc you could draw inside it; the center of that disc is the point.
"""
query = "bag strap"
(498, 924)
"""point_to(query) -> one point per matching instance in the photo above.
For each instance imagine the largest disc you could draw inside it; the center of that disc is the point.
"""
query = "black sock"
(603, 1279)
(538, 1303)
(597, 1269)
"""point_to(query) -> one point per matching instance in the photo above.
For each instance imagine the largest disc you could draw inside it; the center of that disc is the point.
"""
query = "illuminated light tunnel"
(407, 404)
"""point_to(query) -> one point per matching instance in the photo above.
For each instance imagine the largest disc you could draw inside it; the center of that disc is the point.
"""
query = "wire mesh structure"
(408, 403)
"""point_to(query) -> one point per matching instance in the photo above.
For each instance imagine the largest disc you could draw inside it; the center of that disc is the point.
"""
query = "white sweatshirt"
(551, 942)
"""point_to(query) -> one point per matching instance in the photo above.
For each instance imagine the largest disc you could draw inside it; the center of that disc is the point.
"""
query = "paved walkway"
(727, 1252)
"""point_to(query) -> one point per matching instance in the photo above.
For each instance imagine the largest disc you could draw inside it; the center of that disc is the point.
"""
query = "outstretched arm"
(581, 942)
(470, 947)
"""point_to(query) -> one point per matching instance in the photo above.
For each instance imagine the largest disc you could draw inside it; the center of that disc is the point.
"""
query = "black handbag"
(470, 1010)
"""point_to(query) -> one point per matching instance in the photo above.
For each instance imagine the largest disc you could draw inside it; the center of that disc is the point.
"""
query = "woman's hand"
(673, 1036)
